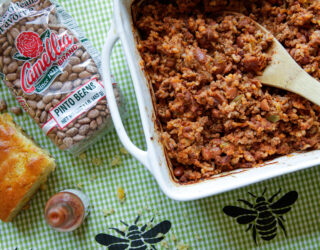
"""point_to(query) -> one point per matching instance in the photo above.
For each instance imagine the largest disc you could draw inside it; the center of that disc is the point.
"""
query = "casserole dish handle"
(139, 154)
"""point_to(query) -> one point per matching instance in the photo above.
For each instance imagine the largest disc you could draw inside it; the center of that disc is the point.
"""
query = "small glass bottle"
(66, 210)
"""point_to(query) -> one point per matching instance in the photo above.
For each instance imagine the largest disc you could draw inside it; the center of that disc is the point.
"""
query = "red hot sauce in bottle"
(66, 210)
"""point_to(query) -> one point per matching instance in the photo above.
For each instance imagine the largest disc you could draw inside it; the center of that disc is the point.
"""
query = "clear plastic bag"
(53, 71)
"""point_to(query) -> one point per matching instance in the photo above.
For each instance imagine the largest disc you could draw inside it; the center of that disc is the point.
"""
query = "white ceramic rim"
(150, 158)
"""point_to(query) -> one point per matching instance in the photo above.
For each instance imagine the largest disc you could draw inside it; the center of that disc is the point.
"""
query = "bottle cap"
(57, 215)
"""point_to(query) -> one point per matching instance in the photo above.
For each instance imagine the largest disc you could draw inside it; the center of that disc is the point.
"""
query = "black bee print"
(135, 238)
(264, 215)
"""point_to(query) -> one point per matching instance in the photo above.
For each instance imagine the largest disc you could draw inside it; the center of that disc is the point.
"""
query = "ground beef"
(202, 64)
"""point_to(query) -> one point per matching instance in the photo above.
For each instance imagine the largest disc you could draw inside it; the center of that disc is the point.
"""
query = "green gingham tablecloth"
(196, 225)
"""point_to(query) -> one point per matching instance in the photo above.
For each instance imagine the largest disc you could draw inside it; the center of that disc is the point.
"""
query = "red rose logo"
(29, 44)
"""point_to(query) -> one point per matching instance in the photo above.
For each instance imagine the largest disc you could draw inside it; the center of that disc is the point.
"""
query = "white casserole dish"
(154, 158)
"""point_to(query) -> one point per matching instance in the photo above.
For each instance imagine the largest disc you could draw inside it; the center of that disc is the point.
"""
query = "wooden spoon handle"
(306, 86)
(285, 73)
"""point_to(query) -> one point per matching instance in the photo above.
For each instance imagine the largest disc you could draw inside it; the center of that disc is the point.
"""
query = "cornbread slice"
(23, 168)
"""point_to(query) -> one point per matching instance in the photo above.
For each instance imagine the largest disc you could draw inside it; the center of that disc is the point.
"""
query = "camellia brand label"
(53, 53)
(75, 104)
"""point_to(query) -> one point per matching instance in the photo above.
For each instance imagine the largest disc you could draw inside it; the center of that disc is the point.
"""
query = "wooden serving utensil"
(283, 72)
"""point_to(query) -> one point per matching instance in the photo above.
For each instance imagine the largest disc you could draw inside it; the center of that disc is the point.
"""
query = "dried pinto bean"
(3, 105)
(16, 110)
(56, 86)
(83, 130)
(93, 114)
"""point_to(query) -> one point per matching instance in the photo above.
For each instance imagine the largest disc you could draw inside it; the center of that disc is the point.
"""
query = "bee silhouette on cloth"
(264, 216)
(135, 238)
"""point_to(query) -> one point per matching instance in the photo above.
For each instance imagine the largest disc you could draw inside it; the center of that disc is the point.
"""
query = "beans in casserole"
(201, 64)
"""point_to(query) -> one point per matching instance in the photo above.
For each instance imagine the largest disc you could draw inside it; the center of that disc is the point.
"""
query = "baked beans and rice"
(201, 64)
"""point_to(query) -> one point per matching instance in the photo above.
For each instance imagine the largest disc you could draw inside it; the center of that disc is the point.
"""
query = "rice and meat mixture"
(215, 115)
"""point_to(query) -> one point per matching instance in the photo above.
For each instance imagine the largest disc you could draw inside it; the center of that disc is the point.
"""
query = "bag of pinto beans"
(53, 71)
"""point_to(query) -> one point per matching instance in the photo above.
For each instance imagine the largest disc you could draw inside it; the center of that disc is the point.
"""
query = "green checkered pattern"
(198, 224)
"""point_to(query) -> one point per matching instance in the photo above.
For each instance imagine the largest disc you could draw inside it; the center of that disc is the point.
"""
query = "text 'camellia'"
(55, 46)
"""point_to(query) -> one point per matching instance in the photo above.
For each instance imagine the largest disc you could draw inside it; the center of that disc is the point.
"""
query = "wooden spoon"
(283, 71)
